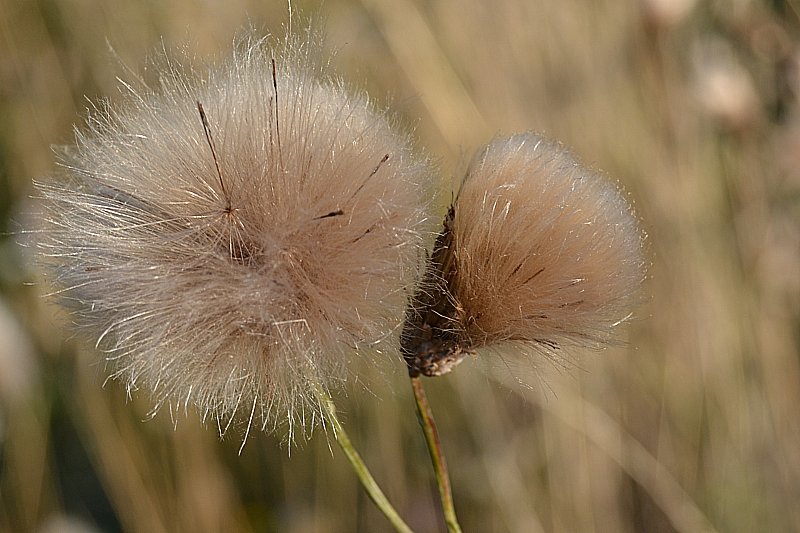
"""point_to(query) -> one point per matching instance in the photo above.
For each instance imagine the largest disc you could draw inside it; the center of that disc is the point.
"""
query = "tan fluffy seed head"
(546, 251)
(236, 238)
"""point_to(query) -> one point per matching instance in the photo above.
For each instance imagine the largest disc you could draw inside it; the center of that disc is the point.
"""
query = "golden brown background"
(693, 425)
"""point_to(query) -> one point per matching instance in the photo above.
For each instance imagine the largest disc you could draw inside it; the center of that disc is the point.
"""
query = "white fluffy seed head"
(536, 250)
(546, 250)
(235, 239)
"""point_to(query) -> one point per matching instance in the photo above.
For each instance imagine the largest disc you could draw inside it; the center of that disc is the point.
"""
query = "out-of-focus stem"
(437, 456)
(365, 477)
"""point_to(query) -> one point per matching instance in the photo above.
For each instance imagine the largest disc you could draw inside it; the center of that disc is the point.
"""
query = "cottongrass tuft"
(235, 239)
(537, 251)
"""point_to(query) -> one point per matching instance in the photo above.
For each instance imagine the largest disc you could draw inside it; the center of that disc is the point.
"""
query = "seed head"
(236, 239)
(536, 250)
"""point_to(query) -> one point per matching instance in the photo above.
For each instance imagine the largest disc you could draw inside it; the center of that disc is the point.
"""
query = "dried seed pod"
(536, 250)
(236, 240)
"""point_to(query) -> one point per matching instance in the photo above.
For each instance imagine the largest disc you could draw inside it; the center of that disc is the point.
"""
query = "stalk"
(437, 456)
(364, 476)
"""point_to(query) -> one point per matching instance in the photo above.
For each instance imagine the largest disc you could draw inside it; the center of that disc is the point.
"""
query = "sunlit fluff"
(236, 239)
(537, 250)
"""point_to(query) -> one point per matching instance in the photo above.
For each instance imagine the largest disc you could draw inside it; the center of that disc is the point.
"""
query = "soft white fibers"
(546, 250)
(235, 239)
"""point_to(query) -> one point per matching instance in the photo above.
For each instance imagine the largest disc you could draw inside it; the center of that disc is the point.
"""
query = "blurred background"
(692, 425)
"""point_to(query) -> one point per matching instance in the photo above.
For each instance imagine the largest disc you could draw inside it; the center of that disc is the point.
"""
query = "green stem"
(365, 477)
(437, 456)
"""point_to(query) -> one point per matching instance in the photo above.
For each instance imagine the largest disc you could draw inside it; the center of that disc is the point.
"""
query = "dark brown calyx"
(432, 341)
(435, 357)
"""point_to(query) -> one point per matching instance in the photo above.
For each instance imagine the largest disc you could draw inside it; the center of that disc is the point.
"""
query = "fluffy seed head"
(235, 239)
(536, 250)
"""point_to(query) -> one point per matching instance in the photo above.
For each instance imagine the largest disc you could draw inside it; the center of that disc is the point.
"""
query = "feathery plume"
(236, 239)
(536, 250)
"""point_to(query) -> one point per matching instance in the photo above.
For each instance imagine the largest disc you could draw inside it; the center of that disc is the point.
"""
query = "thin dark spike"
(271, 139)
(533, 276)
(277, 118)
(368, 230)
(336, 213)
(383, 160)
(210, 140)
(375, 170)
(553, 345)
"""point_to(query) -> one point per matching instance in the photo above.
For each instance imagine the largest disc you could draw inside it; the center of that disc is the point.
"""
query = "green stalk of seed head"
(359, 467)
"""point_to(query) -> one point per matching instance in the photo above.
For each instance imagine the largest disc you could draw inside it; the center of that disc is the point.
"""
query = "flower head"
(235, 239)
(536, 250)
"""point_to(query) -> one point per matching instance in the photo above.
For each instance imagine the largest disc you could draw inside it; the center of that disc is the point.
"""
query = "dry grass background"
(694, 425)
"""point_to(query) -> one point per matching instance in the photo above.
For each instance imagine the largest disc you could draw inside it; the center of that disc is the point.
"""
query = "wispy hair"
(238, 238)
(537, 251)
